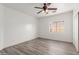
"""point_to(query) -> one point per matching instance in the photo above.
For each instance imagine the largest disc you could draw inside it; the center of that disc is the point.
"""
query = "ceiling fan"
(45, 8)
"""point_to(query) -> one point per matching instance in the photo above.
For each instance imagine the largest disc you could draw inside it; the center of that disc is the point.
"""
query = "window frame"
(56, 26)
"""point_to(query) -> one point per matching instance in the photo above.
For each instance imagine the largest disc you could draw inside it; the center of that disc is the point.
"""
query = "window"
(57, 26)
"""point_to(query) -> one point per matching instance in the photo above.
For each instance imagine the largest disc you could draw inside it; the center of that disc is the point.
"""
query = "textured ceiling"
(28, 8)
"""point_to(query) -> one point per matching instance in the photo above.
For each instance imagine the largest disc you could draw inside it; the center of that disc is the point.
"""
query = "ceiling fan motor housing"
(45, 7)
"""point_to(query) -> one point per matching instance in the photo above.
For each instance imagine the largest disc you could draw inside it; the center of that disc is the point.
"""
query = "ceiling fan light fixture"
(45, 8)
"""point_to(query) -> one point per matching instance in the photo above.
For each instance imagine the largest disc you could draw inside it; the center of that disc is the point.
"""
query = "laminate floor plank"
(41, 46)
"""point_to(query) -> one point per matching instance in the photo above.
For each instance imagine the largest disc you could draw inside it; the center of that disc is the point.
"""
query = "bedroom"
(24, 32)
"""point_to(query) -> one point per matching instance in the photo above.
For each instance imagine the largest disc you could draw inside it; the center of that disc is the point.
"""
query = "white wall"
(1, 26)
(75, 28)
(18, 27)
(61, 36)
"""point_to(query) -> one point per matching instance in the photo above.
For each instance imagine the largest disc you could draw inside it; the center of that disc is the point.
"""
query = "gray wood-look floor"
(41, 46)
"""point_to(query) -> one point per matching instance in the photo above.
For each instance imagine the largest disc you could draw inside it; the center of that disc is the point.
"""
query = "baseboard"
(18, 43)
(55, 40)
(77, 50)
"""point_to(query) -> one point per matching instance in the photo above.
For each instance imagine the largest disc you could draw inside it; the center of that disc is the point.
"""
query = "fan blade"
(38, 7)
(48, 4)
(39, 12)
(52, 8)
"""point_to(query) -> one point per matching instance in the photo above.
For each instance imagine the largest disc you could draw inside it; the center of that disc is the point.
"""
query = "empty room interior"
(39, 28)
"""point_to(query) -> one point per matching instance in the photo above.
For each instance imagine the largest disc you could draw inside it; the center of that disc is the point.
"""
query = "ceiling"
(29, 9)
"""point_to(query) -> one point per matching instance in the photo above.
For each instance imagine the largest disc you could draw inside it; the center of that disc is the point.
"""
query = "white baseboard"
(55, 40)
(17, 43)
